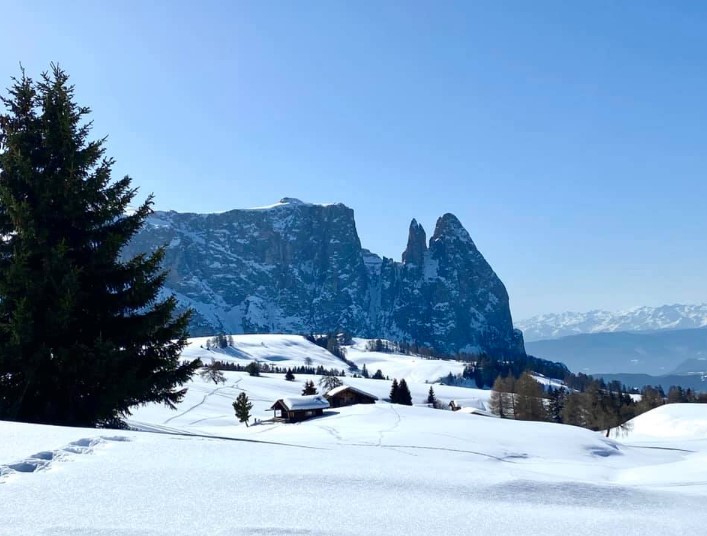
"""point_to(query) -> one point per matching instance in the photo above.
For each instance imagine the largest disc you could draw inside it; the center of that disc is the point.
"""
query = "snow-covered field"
(376, 469)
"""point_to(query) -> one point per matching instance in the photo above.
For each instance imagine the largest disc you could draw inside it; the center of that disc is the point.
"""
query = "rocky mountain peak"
(296, 267)
(450, 228)
(417, 245)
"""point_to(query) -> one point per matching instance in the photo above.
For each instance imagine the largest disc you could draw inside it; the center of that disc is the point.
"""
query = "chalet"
(454, 406)
(345, 395)
(299, 408)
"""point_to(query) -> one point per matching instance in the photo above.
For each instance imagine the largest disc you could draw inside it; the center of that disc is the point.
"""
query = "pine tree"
(289, 376)
(309, 388)
(242, 407)
(431, 398)
(395, 392)
(253, 368)
(404, 396)
(84, 334)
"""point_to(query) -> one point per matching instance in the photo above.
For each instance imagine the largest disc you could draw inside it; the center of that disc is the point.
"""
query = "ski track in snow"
(43, 460)
(207, 395)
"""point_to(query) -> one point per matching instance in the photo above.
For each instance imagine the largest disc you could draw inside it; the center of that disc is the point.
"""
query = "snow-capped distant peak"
(676, 316)
(291, 202)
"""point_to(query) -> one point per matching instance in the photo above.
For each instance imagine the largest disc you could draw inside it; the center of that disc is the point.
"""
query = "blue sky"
(570, 138)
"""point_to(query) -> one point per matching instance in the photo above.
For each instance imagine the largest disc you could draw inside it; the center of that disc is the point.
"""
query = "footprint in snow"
(44, 459)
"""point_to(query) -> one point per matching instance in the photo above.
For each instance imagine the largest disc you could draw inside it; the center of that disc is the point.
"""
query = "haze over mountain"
(296, 267)
(552, 326)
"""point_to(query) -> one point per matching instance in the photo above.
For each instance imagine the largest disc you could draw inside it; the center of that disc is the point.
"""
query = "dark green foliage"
(242, 407)
(309, 388)
(400, 393)
(378, 375)
(364, 372)
(394, 389)
(404, 396)
(84, 335)
(556, 404)
(253, 368)
(431, 398)
(289, 376)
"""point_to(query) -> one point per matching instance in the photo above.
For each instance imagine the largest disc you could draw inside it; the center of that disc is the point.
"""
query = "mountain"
(656, 353)
(696, 382)
(296, 267)
(552, 326)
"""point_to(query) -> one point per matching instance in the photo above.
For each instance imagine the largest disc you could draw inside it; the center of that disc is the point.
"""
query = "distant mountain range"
(658, 353)
(665, 317)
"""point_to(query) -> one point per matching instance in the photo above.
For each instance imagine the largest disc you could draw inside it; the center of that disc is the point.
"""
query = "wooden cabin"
(299, 408)
(345, 395)
(454, 406)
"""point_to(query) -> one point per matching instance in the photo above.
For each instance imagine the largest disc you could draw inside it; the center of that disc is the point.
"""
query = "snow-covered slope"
(676, 316)
(288, 351)
(355, 471)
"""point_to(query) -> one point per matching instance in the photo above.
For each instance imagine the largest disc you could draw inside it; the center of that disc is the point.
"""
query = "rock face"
(296, 267)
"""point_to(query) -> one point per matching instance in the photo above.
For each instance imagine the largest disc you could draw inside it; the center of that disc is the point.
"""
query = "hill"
(358, 470)
(655, 353)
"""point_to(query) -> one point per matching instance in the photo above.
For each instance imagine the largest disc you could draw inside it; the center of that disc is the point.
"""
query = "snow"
(336, 390)
(665, 317)
(306, 402)
(412, 368)
(368, 469)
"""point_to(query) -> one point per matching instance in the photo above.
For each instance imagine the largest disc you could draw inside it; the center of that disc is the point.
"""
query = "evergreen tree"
(309, 388)
(289, 376)
(404, 396)
(394, 391)
(242, 407)
(364, 371)
(378, 375)
(84, 335)
(557, 404)
(431, 398)
(253, 368)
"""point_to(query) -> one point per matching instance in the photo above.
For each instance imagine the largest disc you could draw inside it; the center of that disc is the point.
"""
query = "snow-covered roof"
(475, 411)
(304, 402)
(336, 390)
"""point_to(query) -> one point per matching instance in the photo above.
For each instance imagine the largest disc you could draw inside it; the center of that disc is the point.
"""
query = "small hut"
(454, 406)
(299, 408)
(345, 395)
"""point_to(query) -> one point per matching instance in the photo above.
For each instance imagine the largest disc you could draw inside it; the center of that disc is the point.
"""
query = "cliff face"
(299, 268)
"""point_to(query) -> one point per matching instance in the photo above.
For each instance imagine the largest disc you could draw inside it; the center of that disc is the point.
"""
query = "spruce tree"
(242, 407)
(404, 396)
(84, 334)
(394, 392)
(309, 388)
(289, 376)
(431, 398)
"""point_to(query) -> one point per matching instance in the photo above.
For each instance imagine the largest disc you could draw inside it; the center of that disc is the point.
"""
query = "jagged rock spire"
(417, 244)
